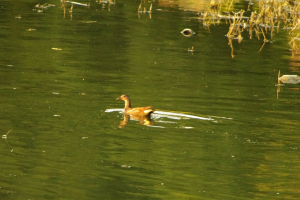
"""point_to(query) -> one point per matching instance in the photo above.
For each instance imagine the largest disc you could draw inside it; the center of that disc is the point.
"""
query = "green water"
(63, 145)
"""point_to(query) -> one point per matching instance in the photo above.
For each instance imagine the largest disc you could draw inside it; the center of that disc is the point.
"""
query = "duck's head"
(123, 97)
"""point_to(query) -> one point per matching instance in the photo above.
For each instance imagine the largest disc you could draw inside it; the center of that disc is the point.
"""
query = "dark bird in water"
(187, 32)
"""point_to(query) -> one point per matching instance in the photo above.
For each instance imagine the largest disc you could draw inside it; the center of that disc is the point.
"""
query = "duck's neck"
(127, 104)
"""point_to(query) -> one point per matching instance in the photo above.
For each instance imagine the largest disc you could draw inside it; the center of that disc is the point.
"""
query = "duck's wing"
(140, 111)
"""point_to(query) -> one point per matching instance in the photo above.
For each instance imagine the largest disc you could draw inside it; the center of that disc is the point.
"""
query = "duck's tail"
(149, 110)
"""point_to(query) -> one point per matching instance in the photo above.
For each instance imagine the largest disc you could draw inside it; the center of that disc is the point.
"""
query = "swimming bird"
(142, 111)
(187, 32)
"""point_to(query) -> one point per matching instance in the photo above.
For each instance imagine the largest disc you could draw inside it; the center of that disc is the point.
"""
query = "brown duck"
(142, 111)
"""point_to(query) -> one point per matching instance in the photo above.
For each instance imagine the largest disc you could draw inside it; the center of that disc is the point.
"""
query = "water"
(61, 72)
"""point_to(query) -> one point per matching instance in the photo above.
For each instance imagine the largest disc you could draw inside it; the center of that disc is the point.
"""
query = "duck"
(141, 111)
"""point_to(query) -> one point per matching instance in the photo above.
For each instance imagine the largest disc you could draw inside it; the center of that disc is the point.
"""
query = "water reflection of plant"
(262, 23)
(140, 10)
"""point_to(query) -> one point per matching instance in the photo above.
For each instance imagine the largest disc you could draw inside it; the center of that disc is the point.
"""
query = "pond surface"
(222, 129)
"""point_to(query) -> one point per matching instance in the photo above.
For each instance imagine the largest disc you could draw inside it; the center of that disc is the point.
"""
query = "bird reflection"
(143, 120)
(278, 90)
